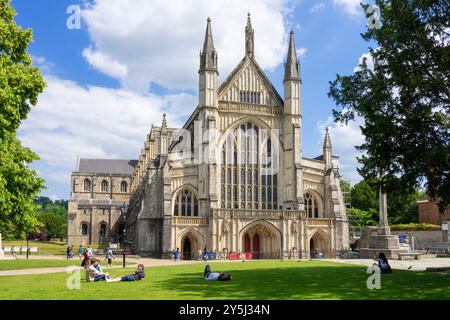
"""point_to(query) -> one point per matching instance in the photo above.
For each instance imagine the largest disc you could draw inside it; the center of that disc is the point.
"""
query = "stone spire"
(164, 122)
(327, 150)
(208, 56)
(249, 39)
(291, 67)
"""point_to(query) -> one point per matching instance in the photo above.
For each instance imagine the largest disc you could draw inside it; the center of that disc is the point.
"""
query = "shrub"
(414, 227)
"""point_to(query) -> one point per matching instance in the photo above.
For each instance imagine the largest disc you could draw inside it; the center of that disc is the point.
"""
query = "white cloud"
(105, 64)
(317, 7)
(344, 138)
(351, 7)
(301, 52)
(43, 64)
(96, 122)
(143, 41)
(369, 61)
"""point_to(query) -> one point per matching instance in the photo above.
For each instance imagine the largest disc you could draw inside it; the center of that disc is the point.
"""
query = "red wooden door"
(246, 243)
(256, 243)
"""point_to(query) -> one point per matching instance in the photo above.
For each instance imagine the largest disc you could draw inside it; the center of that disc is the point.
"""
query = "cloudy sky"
(133, 60)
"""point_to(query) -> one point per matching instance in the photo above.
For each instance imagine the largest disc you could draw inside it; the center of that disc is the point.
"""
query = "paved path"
(416, 265)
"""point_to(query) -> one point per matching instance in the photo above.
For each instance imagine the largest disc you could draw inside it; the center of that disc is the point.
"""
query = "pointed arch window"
(123, 186)
(311, 205)
(186, 204)
(242, 172)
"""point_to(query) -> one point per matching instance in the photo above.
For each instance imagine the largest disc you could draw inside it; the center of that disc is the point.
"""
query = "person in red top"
(86, 260)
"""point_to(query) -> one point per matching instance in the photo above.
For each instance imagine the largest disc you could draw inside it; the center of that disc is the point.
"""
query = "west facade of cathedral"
(234, 179)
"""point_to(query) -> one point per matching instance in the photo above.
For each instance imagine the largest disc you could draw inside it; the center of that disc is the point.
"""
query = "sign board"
(445, 227)
(233, 256)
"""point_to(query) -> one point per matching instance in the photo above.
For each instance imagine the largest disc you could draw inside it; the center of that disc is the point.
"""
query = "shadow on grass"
(306, 282)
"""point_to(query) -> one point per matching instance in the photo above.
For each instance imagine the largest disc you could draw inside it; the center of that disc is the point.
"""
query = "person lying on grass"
(217, 276)
(139, 274)
(96, 273)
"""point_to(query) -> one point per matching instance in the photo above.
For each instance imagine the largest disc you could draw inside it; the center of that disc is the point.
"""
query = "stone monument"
(382, 241)
(2, 254)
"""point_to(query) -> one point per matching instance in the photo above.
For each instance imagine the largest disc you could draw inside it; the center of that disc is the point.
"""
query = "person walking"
(80, 251)
(13, 251)
(199, 257)
(109, 257)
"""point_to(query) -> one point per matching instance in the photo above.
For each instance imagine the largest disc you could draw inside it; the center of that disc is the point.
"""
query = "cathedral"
(233, 179)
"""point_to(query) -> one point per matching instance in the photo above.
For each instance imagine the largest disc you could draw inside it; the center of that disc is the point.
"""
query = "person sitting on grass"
(215, 276)
(96, 273)
(139, 274)
(383, 263)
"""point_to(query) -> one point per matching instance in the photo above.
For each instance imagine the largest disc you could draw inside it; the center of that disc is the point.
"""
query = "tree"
(363, 217)
(20, 85)
(364, 196)
(404, 99)
(346, 189)
(54, 223)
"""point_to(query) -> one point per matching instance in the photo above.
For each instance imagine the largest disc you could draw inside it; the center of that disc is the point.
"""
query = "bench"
(416, 255)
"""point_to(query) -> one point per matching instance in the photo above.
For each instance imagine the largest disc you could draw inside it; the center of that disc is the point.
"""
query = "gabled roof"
(236, 71)
(107, 166)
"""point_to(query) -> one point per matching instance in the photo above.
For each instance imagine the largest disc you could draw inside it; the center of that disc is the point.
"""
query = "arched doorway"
(187, 249)
(319, 245)
(262, 240)
(102, 233)
(189, 244)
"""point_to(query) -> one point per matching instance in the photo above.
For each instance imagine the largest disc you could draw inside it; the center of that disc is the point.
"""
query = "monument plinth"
(382, 241)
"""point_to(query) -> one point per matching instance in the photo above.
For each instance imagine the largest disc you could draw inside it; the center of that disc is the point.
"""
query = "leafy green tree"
(346, 189)
(20, 85)
(363, 218)
(404, 99)
(54, 223)
(364, 196)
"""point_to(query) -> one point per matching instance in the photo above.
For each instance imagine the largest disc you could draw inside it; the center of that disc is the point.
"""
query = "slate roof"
(113, 166)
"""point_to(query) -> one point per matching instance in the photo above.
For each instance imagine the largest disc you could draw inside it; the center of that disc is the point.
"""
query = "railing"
(258, 213)
(319, 222)
(190, 221)
(239, 107)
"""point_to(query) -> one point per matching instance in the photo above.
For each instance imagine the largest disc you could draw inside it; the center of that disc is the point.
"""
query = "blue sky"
(129, 63)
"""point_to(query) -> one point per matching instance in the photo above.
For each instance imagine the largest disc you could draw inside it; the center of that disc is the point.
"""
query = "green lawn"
(21, 264)
(45, 247)
(251, 280)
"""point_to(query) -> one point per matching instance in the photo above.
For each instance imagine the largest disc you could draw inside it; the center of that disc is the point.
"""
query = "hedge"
(414, 227)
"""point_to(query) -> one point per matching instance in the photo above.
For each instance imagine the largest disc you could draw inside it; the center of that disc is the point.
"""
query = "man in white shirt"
(215, 276)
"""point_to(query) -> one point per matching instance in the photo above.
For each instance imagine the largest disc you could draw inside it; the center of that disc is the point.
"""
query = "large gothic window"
(186, 204)
(311, 206)
(247, 161)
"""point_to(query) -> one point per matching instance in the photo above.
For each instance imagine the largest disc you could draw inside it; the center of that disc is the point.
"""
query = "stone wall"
(425, 239)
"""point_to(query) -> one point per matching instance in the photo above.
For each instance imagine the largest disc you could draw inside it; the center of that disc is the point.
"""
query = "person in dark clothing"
(215, 276)
(383, 263)
(139, 274)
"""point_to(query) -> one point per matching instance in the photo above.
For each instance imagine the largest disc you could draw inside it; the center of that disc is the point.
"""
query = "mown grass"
(251, 280)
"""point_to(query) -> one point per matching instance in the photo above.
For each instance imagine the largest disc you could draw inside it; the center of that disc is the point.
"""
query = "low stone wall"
(426, 240)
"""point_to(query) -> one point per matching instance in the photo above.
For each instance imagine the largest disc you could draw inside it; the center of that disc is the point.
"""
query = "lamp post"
(124, 210)
(28, 244)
